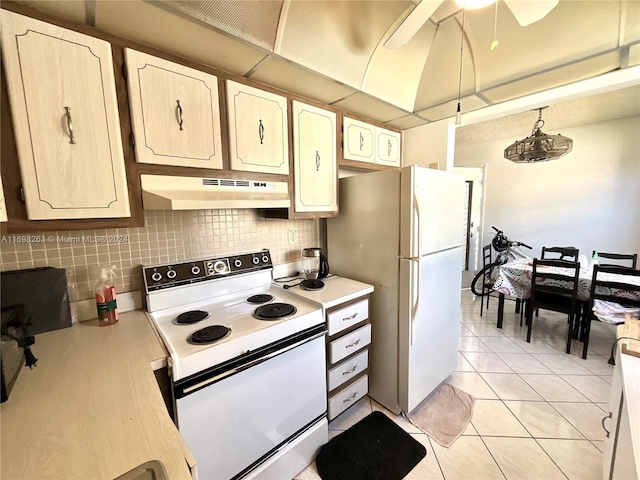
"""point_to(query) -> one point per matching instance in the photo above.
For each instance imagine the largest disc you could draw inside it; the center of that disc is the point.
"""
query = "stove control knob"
(156, 276)
(219, 266)
(265, 258)
(237, 262)
(255, 260)
(171, 274)
(195, 270)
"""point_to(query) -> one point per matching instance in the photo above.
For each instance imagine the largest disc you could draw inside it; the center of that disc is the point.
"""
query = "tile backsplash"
(168, 236)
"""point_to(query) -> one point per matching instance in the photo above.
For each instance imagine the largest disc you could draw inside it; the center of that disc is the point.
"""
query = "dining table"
(514, 280)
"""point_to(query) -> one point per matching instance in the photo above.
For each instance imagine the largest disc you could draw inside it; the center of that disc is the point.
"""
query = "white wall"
(426, 144)
(589, 199)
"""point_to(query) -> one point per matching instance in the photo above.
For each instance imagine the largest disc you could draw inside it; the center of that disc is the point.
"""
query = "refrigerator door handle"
(415, 296)
(417, 225)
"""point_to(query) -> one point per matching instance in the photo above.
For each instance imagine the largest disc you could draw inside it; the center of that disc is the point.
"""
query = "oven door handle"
(245, 366)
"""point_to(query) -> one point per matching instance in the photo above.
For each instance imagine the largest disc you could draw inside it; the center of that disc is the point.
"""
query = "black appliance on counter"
(33, 301)
(16, 343)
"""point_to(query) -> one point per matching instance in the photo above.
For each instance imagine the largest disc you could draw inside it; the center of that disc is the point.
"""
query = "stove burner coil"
(193, 316)
(274, 311)
(209, 334)
(260, 298)
(312, 284)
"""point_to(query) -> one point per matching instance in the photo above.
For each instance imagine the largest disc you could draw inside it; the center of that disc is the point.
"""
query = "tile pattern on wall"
(168, 236)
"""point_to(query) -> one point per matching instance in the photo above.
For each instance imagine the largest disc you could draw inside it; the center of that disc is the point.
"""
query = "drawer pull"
(346, 319)
(180, 117)
(317, 161)
(351, 398)
(605, 428)
(261, 132)
(353, 344)
(350, 371)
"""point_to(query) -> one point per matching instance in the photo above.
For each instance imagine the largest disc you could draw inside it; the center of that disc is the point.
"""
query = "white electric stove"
(247, 363)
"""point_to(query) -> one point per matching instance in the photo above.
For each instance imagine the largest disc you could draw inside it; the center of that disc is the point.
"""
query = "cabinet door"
(175, 113)
(63, 101)
(258, 131)
(387, 147)
(314, 159)
(358, 141)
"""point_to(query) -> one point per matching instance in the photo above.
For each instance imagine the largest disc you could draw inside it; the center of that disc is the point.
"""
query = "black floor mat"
(374, 448)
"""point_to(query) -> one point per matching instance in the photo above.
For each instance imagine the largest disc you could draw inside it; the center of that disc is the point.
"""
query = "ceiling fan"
(525, 11)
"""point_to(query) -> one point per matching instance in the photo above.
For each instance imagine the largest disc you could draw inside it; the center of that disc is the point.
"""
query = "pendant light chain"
(458, 112)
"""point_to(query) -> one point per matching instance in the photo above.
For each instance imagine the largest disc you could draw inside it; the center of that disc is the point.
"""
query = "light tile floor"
(538, 411)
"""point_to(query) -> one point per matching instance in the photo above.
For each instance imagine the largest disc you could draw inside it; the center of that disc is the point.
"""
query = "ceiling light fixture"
(458, 112)
(539, 147)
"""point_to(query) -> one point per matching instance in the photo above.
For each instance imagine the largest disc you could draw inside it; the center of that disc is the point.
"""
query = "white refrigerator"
(401, 230)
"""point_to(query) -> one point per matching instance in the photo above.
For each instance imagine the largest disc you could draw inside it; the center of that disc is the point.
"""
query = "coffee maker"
(315, 266)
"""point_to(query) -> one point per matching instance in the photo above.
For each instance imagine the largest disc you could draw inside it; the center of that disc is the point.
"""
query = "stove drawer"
(348, 370)
(348, 316)
(347, 397)
(350, 343)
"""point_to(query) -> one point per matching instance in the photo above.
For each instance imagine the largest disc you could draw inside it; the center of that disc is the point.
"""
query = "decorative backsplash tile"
(167, 236)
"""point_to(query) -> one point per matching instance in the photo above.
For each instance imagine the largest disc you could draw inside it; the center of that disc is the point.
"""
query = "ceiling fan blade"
(414, 21)
(530, 11)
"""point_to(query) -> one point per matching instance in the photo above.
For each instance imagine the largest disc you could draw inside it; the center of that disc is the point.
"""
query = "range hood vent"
(161, 192)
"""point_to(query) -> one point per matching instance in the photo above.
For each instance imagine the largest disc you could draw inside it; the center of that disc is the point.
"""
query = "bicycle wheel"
(476, 283)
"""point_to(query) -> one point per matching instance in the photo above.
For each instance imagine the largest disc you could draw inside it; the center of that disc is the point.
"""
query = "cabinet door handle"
(389, 147)
(351, 317)
(180, 117)
(361, 141)
(353, 344)
(317, 161)
(351, 370)
(607, 432)
(261, 132)
(67, 114)
(351, 398)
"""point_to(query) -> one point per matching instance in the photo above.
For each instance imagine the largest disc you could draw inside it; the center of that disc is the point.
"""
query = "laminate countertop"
(91, 409)
(630, 370)
(336, 290)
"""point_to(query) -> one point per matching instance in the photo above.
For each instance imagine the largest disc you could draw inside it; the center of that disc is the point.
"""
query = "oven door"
(235, 416)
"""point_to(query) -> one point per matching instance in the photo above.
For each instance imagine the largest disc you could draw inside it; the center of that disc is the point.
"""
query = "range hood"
(161, 192)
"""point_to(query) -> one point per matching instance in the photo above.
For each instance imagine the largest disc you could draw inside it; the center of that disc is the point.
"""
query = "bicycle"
(506, 250)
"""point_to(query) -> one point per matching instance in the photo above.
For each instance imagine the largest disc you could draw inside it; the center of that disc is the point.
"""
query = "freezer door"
(432, 211)
(428, 323)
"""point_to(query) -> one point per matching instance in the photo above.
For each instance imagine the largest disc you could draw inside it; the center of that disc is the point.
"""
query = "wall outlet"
(293, 236)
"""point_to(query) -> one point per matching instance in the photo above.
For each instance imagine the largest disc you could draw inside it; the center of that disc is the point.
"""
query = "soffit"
(252, 21)
(448, 109)
(408, 121)
(73, 10)
(584, 111)
(295, 79)
(148, 24)
(336, 38)
(561, 76)
(367, 106)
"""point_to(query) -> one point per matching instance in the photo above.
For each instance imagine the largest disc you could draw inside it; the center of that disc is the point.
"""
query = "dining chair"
(566, 253)
(623, 290)
(487, 282)
(556, 291)
(618, 257)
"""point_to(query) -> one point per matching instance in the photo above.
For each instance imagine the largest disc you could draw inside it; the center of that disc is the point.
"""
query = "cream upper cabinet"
(258, 131)
(387, 147)
(63, 101)
(175, 113)
(314, 159)
(358, 141)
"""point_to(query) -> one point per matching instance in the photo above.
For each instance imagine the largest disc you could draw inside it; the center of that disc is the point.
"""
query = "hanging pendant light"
(539, 147)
